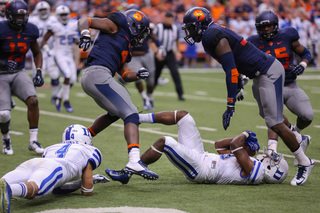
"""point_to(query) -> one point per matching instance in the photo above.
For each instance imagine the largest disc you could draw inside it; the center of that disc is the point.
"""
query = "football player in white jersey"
(64, 32)
(235, 165)
(73, 159)
(41, 19)
(2, 9)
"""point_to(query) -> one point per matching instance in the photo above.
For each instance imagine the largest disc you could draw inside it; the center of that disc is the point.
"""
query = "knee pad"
(5, 116)
(55, 82)
(133, 118)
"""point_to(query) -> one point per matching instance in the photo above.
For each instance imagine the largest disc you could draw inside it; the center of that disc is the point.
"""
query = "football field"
(206, 96)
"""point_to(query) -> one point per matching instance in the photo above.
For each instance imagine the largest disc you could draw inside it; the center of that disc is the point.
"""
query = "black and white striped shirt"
(167, 35)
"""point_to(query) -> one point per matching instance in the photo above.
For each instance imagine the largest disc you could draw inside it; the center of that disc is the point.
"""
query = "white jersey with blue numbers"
(42, 26)
(63, 37)
(74, 157)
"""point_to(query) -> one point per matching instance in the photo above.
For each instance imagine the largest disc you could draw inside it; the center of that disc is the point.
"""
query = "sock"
(147, 118)
(6, 135)
(301, 157)
(66, 92)
(33, 134)
(297, 128)
(18, 189)
(144, 94)
(134, 154)
(55, 90)
(298, 136)
(273, 144)
(150, 95)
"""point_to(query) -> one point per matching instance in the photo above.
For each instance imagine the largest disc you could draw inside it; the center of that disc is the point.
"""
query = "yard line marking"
(55, 114)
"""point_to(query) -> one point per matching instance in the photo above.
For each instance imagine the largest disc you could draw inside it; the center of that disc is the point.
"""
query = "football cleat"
(6, 146)
(306, 140)
(58, 104)
(162, 81)
(68, 107)
(118, 175)
(35, 146)
(5, 196)
(139, 168)
(302, 174)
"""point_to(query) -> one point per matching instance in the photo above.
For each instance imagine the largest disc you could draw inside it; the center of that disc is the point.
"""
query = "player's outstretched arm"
(87, 180)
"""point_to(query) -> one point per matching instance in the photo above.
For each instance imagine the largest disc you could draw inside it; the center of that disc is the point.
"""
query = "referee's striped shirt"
(167, 35)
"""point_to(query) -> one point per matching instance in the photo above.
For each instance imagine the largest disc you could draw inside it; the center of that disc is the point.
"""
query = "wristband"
(125, 72)
(85, 31)
(303, 63)
(86, 190)
(246, 134)
(236, 149)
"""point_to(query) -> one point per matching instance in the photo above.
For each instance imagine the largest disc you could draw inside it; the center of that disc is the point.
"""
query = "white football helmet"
(77, 133)
(63, 14)
(3, 7)
(275, 167)
(43, 9)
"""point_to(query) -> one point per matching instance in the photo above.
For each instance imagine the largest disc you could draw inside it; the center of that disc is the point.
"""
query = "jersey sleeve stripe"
(255, 171)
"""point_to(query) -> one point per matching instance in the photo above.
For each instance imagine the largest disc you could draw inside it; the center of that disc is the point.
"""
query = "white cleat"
(7, 146)
(302, 174)
(305, 141)
(35, 146)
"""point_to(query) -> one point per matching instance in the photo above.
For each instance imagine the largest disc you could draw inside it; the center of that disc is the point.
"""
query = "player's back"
(112, 50)
(74, 157)
(249, 60)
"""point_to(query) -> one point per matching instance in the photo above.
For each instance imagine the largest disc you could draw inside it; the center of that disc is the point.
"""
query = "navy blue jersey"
(112, 50)
(248, 59)
(281, 48)
(13, 45)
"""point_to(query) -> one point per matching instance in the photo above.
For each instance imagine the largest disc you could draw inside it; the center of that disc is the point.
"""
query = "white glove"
(100, 179)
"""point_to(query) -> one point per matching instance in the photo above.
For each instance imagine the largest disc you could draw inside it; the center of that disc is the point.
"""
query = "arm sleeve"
(229, 66)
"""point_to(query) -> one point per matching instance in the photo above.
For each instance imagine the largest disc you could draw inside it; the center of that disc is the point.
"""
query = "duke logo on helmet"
(77, 134)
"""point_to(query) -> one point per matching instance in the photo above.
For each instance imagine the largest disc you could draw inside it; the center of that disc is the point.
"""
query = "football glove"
(298, 70)
(37, 79)
(12, 65)
(100, 179)
(251, 140)
(85, 40)
(227, 115)
(143, 73)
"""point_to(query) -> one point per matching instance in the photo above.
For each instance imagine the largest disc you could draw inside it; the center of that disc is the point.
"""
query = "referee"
(168, 35)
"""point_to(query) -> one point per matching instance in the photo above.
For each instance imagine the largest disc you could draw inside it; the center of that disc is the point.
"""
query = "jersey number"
(66, 40)
(21, 46)
(63, 151)
(281, 53)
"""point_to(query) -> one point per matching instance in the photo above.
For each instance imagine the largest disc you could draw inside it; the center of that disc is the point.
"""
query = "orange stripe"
(89, 21)
(94, 134)
(133, 144)
(234, 75)
(243, 42)
(125, 72)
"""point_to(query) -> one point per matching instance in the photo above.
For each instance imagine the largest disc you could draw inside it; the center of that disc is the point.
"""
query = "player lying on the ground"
(235, 165)
(74, 158)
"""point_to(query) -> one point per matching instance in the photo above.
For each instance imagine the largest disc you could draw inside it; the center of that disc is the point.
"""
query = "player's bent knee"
(32, 101)
(5, 116)
(181, 114)
(133, 118)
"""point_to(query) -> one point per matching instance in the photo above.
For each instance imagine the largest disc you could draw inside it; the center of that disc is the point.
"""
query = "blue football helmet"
(78, 134)
(265, 19)
(17, 14)
(195, 22)
(138, 24)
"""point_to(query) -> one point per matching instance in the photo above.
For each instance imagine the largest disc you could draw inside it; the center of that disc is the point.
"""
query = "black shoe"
(181, 98)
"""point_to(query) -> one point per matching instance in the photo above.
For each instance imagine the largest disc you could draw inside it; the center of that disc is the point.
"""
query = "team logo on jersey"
(270, 43)
(199, 14)
(138, 16)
